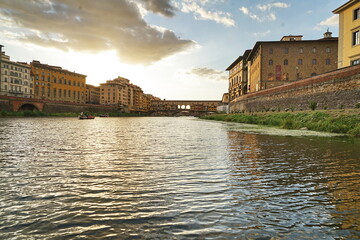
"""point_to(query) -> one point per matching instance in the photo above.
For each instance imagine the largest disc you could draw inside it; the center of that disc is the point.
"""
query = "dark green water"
(173, 178)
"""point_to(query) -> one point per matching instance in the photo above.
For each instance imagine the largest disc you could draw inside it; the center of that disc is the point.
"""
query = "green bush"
(313, 105)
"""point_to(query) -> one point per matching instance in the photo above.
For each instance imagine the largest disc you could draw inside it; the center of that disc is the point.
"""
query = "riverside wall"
(11, 104)
(332, 90)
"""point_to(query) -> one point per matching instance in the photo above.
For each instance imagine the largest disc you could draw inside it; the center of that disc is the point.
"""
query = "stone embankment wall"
(8, 104)
(63, 108)
(333, 90)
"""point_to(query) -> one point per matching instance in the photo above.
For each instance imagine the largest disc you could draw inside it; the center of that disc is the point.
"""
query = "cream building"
(120, 92)
(238, 76)
(349, 33)
(15, 78)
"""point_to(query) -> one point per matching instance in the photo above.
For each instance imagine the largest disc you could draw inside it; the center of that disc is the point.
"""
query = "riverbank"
(346, 121)
(69, 114)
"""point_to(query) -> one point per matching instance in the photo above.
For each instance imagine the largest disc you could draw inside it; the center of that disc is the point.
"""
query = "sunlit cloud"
(332, 21)
(268, 7)
(95, 26)
(201, 13)
(265, 13)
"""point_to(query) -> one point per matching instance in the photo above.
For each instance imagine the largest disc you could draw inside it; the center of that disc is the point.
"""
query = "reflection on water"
(173, 178)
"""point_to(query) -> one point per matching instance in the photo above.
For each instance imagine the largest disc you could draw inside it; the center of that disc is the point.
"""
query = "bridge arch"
(28, 107)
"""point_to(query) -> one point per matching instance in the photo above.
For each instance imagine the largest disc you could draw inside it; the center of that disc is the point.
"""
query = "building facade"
(55, 83)
(92, 94)
(349, 33)
(120, 92)
(275, 63)
(15, 78)
(238, 76)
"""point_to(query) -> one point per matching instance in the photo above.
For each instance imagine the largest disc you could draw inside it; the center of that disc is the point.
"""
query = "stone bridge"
(183, 107)
(16, 104)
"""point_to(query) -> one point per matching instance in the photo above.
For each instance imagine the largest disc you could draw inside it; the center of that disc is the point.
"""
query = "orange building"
(55, 83)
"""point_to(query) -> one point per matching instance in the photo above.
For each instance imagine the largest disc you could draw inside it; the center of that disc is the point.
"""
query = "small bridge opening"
(28, 107)
(183, 107)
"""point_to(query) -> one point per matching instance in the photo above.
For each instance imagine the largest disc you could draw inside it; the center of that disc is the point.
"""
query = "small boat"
(86, 116)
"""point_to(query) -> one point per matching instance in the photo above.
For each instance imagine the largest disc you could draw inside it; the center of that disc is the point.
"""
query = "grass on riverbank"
(42, 114)
(324, 121)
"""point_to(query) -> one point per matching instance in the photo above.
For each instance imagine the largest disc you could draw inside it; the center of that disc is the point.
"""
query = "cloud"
(262, 34)
(93, 26)
(208, 73)
(162, 7)
(201, 13)
(265, 10)
(246, 11)
(268, 7)
(331, 21)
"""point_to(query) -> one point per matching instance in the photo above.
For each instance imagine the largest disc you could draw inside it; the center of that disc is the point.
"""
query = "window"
(286, 50)
(327, 61)
(355, 62)
(313, 62)
(356, 38)
(271, 50)
(357, 13)
(300, 61)
(286, 62)
(271, 62)
(301, 50)
(328, 49)
(314, 50)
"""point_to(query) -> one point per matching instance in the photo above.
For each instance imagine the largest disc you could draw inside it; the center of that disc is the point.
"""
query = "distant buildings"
(349, 33)
(46, 82)
(125, 95)
(92, 94)
(55, 83)
(15, 78)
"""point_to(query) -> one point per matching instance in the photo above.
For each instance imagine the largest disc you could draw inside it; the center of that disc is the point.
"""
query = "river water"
(174, 178)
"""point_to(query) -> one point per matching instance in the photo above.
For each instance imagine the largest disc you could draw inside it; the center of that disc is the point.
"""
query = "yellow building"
(349, 33)
(55, 83)
(92, 94)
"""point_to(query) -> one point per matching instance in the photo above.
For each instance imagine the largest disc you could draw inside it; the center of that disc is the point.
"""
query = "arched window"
(301, 50)
(314, 50)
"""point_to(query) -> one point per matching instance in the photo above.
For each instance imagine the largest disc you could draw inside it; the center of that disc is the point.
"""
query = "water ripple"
(173, 178)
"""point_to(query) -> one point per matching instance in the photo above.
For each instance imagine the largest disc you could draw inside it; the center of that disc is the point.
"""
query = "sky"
(172, 49)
